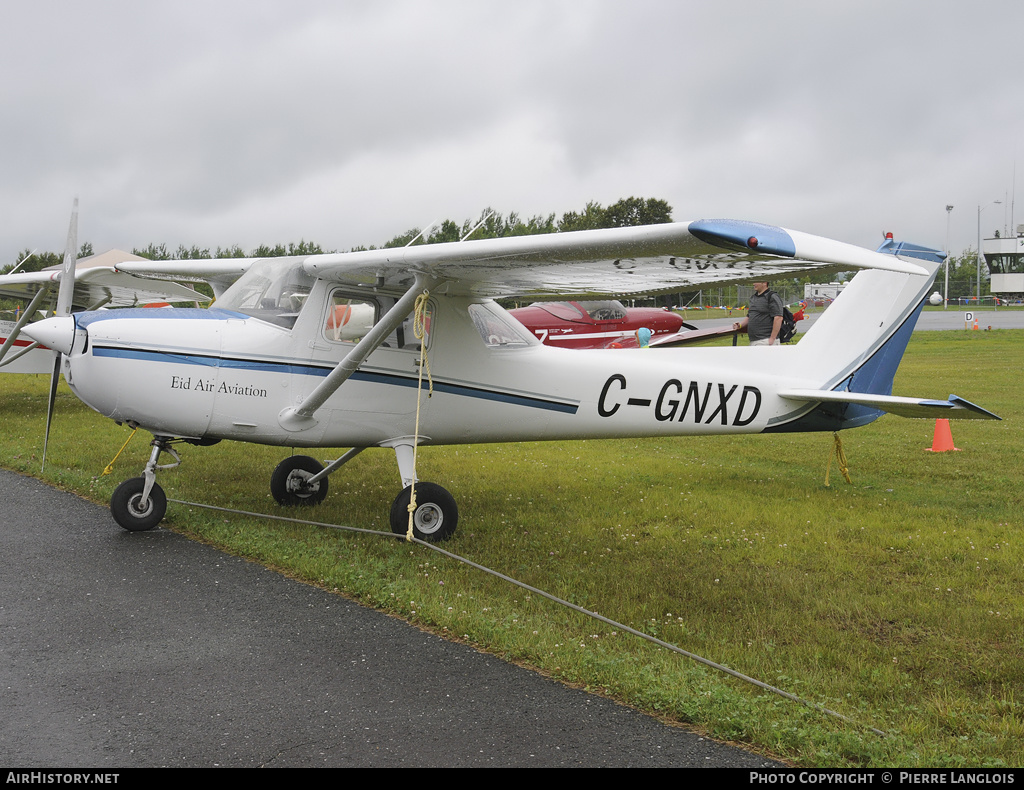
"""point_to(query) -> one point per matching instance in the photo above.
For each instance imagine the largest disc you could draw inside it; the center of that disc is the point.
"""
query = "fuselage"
(225, 374)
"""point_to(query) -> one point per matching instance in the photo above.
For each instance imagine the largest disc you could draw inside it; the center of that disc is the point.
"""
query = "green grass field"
(895, 600)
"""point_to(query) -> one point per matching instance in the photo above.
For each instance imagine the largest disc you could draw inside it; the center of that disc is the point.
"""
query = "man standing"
(764, 316)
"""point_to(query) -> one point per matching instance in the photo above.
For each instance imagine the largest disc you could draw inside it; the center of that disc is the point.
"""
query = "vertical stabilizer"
(858, 342)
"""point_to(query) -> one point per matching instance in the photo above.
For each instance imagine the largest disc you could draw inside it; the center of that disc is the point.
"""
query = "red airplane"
(604, 324)
(609, 324)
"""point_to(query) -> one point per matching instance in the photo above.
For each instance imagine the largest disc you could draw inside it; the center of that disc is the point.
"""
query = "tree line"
(963, 272)
(488, 225)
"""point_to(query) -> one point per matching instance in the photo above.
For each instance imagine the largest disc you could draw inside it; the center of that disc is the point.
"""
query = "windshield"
(272, 290)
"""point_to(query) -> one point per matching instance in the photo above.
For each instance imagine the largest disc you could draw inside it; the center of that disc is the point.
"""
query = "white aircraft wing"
(219, 273)
(99, 285)
(620, 261)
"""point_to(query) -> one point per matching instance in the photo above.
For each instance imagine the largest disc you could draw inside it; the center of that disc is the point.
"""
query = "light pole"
(978, 274)
(945, 291)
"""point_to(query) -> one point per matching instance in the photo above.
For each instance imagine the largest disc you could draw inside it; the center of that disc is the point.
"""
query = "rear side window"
(497, 328)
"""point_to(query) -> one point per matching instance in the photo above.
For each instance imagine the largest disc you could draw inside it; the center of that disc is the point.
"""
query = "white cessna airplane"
(321, 351)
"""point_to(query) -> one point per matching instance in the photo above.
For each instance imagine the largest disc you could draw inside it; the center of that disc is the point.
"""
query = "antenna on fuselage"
(425, 229)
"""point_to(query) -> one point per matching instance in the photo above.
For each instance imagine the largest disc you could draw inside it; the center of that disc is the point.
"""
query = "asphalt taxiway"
(1010, 318)
(148, 649)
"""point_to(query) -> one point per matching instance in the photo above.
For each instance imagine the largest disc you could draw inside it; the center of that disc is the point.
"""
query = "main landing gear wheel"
(288, 483)
(131, 512)
(436, 515)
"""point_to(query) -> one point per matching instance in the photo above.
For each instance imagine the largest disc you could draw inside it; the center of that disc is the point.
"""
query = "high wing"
(629, 262)
(98, 281)
(626, 262)
(219, 273)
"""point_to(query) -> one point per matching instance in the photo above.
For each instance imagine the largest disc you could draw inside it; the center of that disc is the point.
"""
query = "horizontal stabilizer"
(954, 408)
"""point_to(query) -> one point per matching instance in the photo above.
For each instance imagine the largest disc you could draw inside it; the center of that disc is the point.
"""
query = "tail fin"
(857, 344)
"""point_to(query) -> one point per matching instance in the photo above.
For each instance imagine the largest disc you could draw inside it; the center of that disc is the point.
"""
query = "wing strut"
(22, 320)
(300, 417)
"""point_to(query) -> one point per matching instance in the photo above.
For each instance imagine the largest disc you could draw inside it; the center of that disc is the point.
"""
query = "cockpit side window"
(350, 316)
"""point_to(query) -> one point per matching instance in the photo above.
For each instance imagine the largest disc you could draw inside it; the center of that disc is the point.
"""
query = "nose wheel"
(136, 510)
(139, 504)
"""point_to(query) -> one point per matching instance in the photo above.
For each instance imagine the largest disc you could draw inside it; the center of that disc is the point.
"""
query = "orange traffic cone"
(943, 441)
(975, 324)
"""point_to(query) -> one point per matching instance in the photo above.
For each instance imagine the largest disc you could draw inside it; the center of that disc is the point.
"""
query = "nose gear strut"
(139, 504)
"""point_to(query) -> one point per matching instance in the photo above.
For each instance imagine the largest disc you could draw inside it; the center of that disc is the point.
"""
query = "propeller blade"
(49, 408)
(65, 297)
(66, 294)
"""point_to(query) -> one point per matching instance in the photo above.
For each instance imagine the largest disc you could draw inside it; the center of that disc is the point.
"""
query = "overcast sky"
(346, 123)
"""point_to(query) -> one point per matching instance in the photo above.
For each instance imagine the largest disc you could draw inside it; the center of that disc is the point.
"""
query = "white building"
(823, 291)
(1005, 260)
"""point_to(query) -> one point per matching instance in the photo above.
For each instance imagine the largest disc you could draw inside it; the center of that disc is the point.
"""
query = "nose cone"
(57, 333)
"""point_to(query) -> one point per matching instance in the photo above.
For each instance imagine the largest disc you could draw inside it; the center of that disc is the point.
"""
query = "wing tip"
(957, 401)
(745, 236)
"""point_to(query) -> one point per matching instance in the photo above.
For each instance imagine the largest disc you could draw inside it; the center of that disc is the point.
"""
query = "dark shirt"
(761, 313)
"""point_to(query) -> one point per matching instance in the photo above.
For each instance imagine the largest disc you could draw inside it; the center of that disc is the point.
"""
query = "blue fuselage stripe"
(182, 358)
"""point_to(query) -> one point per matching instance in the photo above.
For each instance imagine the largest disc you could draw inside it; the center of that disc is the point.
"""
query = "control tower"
(1005, 260)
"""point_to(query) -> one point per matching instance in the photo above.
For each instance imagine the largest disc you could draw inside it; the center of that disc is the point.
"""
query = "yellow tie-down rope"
(110, 467)
(840, 456)
(419, 329)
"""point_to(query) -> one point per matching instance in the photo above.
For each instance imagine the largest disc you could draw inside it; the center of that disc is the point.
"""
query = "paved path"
(954, 319)
(929, 319)
(126, 650)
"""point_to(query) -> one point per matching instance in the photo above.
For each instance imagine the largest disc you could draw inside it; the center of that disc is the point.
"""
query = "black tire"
(288, 483)
(436, 515)
(130, 512)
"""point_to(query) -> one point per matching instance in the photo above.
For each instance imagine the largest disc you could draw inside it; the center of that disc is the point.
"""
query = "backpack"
(788, 329)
